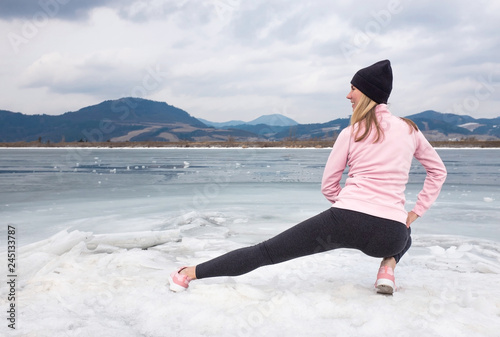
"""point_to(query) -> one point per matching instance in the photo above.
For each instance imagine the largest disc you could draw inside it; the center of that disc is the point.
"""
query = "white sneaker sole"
(385, 286)
(175, 287)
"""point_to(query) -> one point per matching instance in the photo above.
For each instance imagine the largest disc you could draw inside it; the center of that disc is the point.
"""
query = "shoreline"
(207, 148)
(231, 144)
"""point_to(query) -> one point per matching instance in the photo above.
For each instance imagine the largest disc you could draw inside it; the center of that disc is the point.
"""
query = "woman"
(368, 213)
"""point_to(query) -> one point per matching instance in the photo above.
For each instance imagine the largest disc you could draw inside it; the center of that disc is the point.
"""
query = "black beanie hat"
(375, 81)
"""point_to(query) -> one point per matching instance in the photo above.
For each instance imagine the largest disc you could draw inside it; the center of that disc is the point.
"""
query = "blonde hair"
(364, 115)
(365, 112)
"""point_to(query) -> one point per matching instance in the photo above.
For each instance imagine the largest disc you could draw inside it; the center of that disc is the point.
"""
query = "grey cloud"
(187, 13)
(62, 9)
(112, 85)
(262, 23)
(248, 22)
(138, 11)
(92, 76)
(194, 13)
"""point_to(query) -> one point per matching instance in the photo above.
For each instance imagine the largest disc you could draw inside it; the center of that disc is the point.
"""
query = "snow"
(80, 284)
(470, 126)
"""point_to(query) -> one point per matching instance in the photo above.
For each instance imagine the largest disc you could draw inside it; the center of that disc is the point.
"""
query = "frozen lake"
(83, 217)
(43, 191)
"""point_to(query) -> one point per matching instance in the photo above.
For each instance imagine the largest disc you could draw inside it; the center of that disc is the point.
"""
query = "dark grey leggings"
(331, 229)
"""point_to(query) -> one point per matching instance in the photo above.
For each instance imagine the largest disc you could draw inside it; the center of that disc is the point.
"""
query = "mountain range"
(136, 119)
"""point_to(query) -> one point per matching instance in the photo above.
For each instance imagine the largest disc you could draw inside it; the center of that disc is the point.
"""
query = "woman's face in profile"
(354, 96)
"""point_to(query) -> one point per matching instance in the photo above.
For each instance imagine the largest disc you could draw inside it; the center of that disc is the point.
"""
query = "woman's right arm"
(337, 161)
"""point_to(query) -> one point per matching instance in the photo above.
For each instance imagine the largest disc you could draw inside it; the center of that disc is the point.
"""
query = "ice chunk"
(142, 240)
(57, 244)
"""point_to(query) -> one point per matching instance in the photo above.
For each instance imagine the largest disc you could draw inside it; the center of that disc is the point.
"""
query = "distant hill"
(131, 110)
(439, 126)
(298, 131)
(136, 119)
(221, 125)
(125, 119)
(271, 120)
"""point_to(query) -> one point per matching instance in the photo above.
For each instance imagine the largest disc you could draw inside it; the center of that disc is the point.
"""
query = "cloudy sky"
(236, 59)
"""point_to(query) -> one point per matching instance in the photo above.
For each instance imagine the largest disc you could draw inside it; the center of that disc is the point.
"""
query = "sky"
(223, 60)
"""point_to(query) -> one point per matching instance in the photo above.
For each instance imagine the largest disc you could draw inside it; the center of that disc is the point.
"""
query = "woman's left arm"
(436, 174)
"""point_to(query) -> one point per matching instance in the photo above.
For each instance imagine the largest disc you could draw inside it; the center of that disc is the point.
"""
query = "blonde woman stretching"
(368, 213)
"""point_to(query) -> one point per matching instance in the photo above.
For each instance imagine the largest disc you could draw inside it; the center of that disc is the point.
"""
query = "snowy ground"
(79, 284)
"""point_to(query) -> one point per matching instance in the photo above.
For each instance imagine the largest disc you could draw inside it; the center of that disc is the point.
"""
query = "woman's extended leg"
(334, 228)
(300, 240)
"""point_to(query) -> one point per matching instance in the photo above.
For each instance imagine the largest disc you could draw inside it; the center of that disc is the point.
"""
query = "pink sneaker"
(385, 280)
(178, 282)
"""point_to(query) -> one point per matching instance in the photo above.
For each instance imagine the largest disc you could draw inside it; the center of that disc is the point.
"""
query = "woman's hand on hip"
(412, 216)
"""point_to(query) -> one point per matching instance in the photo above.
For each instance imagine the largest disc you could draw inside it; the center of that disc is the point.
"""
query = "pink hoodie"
(378, 172)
